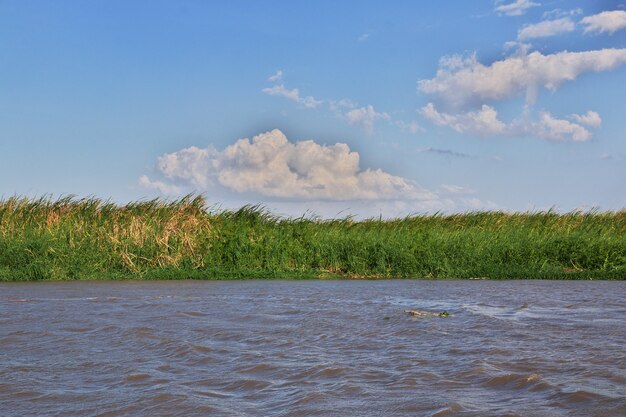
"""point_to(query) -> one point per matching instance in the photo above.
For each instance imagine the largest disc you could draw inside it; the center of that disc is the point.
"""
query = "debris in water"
(417, 313)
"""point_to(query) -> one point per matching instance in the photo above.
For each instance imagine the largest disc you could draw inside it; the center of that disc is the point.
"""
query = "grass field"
(68, 239)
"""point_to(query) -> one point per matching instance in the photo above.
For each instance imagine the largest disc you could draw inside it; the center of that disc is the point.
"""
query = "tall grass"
(93, 239)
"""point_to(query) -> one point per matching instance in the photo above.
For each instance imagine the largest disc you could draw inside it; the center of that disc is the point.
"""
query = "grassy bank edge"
(91, 239)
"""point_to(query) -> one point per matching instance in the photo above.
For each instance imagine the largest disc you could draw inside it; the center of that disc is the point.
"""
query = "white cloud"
(591, 119)
(517, 8)
(159, 186)
(558, 130)
(277, 76)
(486, 123)
(363, 37)
(296, 178)
(271, 166)
(457, 189)
(545, 29)
(558, 13)
(344, 103)
(191, 164)
(465, 81)
(365, 117)
(483, 123)
(610, 21)
(292, 95)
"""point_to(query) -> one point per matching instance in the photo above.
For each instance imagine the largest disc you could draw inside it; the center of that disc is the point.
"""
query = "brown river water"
(313, 348)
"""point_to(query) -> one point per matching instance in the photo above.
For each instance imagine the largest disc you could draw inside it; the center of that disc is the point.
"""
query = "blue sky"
(368, 108)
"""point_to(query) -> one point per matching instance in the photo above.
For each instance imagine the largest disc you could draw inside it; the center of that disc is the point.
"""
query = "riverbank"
(68, 239)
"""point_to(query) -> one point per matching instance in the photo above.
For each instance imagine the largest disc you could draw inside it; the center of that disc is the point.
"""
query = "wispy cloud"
(457, 189)
(445, 152)
(277, 76)
(486, 123)
(365, 117)
(605, 22)
(483, 122)
(559, 13)
(612, 157)
(412, 127)
(160, 186)
(516, 8)
(292, 95)
(341, 105)
(551, 128)
(363, 37)
(546, 28)
(591, 119)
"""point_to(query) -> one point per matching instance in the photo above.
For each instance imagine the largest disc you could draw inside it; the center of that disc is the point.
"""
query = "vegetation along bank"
(68, 239)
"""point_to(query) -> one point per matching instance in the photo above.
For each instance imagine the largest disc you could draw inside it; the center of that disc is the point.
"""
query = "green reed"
(90, 238)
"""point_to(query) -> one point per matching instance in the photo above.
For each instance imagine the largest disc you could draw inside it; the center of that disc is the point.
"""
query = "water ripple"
(313, 348)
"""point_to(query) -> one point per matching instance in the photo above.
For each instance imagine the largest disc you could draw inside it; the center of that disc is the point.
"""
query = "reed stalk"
(70, 239)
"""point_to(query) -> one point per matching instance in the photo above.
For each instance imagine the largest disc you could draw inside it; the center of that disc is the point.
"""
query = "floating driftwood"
(418, 313)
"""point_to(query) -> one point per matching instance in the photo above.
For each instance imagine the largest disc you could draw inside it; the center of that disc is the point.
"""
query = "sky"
(321, 108)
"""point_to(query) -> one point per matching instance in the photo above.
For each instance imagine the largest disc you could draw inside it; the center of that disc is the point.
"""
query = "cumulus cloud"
(517, 8)
(295, 178)
(486, 123)
(610, 21)
(365, 117)
(483, 122)
(292, 95)
(277, 76)
(462, 81)
(159, 186)
(193, 164)
(545, 29)
(591, 119)
(271, 166)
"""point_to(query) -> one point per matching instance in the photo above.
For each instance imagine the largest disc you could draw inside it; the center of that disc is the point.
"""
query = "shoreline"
(92, 239)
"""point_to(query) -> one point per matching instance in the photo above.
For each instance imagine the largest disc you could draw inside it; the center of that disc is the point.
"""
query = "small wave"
(309, 398)
(451, 410)
(257, 369)
(581, 396)
(9, 340)
(77, 329)
(141, 332)
(27, 394)
(331, 372)
(318, 372)
(201, 348)
(194, 314)
(517, 381)
(247, 385)
(109, 328)
(137, 377)
(212, 394)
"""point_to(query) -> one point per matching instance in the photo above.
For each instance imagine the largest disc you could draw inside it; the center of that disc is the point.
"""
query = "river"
(306, 348)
